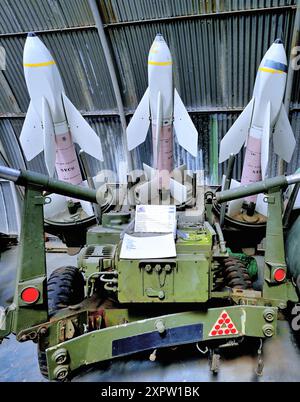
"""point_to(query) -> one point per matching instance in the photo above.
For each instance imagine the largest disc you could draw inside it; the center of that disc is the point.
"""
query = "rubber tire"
(65, 287)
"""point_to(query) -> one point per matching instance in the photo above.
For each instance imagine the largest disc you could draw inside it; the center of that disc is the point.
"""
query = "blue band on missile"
(276, 65)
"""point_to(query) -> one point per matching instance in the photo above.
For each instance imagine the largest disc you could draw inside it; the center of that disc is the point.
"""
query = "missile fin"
(87, 207)
(186, 133)
(148, 191)
(158, 129)
(237, 134)
(138, 126)
(150, 172)
(31, 138)
(81, 131)
(49, 138)
(265, 141)
(178, 191)
(283, 137)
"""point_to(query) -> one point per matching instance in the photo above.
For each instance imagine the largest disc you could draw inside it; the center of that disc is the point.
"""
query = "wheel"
(65, 287)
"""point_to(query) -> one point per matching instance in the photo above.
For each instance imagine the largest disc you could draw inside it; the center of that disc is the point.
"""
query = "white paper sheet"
(134, 248)
(155, 219)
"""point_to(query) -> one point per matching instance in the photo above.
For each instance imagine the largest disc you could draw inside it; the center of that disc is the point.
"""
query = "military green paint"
(251, 189)
(274, 253)
(96, 346)
(46, 183)
(136, 285)
(31, 263)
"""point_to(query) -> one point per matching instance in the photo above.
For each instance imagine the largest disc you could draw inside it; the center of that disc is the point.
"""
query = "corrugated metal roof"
(35, 15)
(114, 11)
(8, 214)
(10, 144)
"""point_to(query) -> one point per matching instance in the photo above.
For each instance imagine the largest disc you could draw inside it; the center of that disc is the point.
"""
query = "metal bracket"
(269, 199)
(214, 361)
(41, 200)
(260, 361)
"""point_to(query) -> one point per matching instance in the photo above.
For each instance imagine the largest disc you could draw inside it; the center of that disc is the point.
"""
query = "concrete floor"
(18, 362)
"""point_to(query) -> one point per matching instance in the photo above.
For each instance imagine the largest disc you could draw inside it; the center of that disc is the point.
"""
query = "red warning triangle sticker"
(223, 326)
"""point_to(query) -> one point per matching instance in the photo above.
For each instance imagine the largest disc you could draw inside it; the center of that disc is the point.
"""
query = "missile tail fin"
(81, 131)
(150, 172)
(49, 138)
(283, 137)
(178, 191)
(87, 207)
(265, 141)
(186, 133)
(234, 207)
(138, 126)
(31, 138)
(236, 136)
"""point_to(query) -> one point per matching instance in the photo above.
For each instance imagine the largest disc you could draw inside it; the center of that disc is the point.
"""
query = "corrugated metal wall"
(216, 45)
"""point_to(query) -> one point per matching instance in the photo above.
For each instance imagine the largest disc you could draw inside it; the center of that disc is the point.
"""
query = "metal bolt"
(157, 268)
(61, 359)
(161, 294)
(148, 268)
(168, 268)
(43, 331)
(60, 356)
(269, 315)
(61, 373)
(160, 326)
(268, 330)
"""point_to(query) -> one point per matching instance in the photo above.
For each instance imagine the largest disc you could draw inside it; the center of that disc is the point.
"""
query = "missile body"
(162, 106)
(264, 117)
(161, 93)
(52, 122)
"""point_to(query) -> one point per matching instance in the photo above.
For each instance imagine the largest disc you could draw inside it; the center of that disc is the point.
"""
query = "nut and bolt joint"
(61, 372)
(269, 315)
(60, 356)
(157, 267)
(148, 268)
(160, 326)
(161, 294)
(168, 268)
(268, 330)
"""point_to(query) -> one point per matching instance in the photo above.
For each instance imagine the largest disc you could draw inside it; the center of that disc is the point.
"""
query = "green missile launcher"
(109, 307)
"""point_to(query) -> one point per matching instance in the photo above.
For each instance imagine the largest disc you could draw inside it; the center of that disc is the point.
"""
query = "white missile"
(162, 106)
(52, 122)
(264, 117)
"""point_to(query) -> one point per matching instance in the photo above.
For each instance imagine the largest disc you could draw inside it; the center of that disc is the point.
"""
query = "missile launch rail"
(110, 307)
